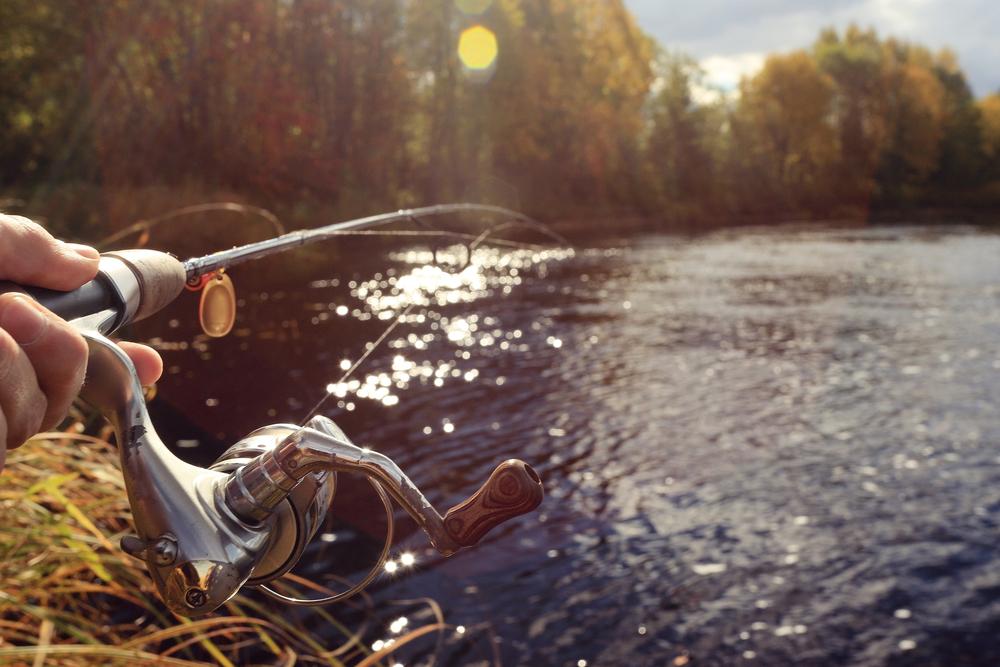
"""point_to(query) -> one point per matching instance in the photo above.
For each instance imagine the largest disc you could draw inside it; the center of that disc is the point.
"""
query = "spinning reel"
(204, 533)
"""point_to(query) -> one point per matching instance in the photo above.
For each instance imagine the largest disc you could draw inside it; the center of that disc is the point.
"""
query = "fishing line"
(147, 225)
(476, 241)
(377, 568)
(371, 348)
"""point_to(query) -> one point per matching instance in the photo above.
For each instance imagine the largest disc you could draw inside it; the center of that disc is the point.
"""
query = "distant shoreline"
(626, 224)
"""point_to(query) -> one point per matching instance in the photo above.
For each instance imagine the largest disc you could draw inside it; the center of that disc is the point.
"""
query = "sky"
(730, 38)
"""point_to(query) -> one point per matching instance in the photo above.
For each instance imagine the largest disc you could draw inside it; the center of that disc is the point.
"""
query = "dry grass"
(69, 596)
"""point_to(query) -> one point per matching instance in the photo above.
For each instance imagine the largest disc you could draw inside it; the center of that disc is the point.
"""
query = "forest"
(559, 108)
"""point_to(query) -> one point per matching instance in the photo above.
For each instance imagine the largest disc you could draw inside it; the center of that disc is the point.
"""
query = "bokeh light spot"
(477, 48)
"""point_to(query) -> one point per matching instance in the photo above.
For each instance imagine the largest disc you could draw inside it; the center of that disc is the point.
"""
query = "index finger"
(31, 256)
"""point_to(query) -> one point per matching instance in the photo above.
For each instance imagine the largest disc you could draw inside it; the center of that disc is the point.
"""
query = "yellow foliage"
(788, 105)
(989, 109)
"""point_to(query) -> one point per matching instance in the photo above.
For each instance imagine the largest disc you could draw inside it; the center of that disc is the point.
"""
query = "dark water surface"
(759, 446)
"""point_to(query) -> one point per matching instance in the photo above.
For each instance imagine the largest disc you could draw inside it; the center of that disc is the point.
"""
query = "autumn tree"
(854, 61)
(572, 80)
(989, 109)
(960, 163)
(45, 105)
(914, 108)
(784, 112)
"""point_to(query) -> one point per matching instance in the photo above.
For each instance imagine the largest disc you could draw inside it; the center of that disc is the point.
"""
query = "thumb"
(31, 256)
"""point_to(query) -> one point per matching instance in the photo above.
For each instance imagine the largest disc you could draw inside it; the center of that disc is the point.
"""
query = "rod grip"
(156, 279)
(161, 278)
(512, 489)
(92, 297)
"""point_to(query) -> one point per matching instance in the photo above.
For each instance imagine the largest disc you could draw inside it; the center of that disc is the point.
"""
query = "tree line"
(364, 105)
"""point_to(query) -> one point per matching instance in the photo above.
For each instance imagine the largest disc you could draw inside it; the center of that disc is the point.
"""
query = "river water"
(758, 446)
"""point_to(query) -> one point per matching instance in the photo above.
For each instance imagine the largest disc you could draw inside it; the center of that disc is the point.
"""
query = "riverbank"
(628, 225)
(89, 213)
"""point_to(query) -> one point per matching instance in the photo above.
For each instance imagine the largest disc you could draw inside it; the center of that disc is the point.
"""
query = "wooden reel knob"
(512, 489)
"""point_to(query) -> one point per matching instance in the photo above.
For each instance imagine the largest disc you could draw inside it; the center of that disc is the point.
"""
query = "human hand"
(42, 358)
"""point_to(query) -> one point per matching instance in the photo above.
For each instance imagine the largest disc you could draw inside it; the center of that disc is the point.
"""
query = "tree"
(915, 110)
(854, 63)
(43, 98)
(365, 104)
(679, 150)
(961, 161)
(787, 107)
(989, 108)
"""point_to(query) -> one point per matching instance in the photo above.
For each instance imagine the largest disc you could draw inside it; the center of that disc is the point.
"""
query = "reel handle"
(511, 490)
(255, 491)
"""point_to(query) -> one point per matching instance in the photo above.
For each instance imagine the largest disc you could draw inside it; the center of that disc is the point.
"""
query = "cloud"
(726, 35)
(725, 72)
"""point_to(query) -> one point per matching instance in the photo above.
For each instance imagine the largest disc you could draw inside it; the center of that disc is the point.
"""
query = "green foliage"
(364, 105)
(679, 151)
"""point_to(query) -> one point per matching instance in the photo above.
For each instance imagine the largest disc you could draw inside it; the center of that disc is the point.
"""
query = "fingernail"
(84, 251)
(23, 321)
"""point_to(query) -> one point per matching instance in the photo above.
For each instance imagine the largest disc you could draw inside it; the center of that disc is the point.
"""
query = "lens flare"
(477, 48)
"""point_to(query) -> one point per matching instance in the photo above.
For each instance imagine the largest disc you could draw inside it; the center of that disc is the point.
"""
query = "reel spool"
(297, 518)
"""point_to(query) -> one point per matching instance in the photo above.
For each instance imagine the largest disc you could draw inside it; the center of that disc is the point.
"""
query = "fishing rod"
(140, 282)
(205, 533)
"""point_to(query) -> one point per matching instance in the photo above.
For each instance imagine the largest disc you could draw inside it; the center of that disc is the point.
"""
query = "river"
(759, 446)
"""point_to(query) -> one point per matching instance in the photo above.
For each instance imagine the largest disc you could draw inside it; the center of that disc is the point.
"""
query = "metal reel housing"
(297, 518)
